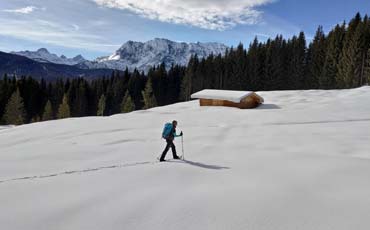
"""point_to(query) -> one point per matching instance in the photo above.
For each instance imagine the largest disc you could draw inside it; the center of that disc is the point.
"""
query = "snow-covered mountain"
(144, 55)
(300, 161)
(137, 55)
(13, 64)
(44, 56)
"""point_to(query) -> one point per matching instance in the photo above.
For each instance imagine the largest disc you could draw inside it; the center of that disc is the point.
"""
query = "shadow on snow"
(268, 106)
(200, 165)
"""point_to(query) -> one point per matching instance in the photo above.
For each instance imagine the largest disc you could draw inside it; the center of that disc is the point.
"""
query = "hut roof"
(228, 95)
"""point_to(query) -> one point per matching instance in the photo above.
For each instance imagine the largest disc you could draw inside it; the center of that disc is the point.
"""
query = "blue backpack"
(166, 130)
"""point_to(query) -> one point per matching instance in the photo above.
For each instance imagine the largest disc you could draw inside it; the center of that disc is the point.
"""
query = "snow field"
(300, 161)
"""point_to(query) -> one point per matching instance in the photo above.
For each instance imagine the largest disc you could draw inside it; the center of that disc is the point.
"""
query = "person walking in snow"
(169, 134)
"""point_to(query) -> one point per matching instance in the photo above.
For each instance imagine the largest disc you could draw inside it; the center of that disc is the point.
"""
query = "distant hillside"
(12, 64)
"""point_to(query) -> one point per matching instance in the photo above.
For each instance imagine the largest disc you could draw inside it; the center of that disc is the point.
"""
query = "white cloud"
(206, 14)
(53, 33)
(75, 27)
(25, 10)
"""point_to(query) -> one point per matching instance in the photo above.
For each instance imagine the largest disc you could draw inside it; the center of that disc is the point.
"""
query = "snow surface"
(229, 95)
(300, 161)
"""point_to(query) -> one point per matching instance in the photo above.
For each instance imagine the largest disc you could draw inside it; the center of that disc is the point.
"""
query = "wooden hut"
(238, 99)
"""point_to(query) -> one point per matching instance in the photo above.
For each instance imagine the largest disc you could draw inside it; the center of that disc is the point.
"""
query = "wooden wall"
(249, 102)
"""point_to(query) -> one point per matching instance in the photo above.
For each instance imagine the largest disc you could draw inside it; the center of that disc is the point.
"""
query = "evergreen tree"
(33, 97)
(351, 55)
(363, 35)
(273, 77)
(334, 49)
(81, 102)
(318, 55)
(136, 85)
(109, 99)
(101, 106)
(48, 112)
(219, 72)
(367, 69)
(15, 113)
(255, 65)
(119, 86)
(187, 81)
(64, 110)
(238, 67)
(72, 98)
(148, 96)
(174, 76)
(6, 91)
(360, 46)
(92, 96)
(199, 76)
(243, 68)
(297, 63)
(159, 82)
(229, 80)
(57, 92)
(127, 104)
(210, 81)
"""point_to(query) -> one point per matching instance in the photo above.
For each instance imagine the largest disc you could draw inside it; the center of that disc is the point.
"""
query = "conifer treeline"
(27, 100)
(334, 61)
(340, 59)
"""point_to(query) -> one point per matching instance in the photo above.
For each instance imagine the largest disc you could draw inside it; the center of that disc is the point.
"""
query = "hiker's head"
(174, 123)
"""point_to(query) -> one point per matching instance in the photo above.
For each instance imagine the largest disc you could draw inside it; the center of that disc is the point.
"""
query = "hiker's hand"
(181, 133)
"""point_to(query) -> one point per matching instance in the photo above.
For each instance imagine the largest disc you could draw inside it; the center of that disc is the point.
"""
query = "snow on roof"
(228, 95)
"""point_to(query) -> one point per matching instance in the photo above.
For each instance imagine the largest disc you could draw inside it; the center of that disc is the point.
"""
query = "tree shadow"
(201, 165)
(268, 106)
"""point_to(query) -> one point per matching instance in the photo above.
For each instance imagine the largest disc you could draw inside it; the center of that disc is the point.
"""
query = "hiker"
(169, 134)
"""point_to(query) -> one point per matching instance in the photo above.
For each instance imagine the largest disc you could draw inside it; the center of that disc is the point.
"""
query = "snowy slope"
(43, 55)
(300, 161)
(142, 56)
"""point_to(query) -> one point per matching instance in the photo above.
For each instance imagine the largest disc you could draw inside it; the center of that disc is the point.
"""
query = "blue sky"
(98, 27)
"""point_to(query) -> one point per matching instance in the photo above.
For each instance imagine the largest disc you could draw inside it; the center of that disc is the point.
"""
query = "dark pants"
(169, 145)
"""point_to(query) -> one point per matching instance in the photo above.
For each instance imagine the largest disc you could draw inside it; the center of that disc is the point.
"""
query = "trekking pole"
(182, 147)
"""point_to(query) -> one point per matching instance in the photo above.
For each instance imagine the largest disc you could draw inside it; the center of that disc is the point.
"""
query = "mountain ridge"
(44, 56)
(17, 65)
(135, 55)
